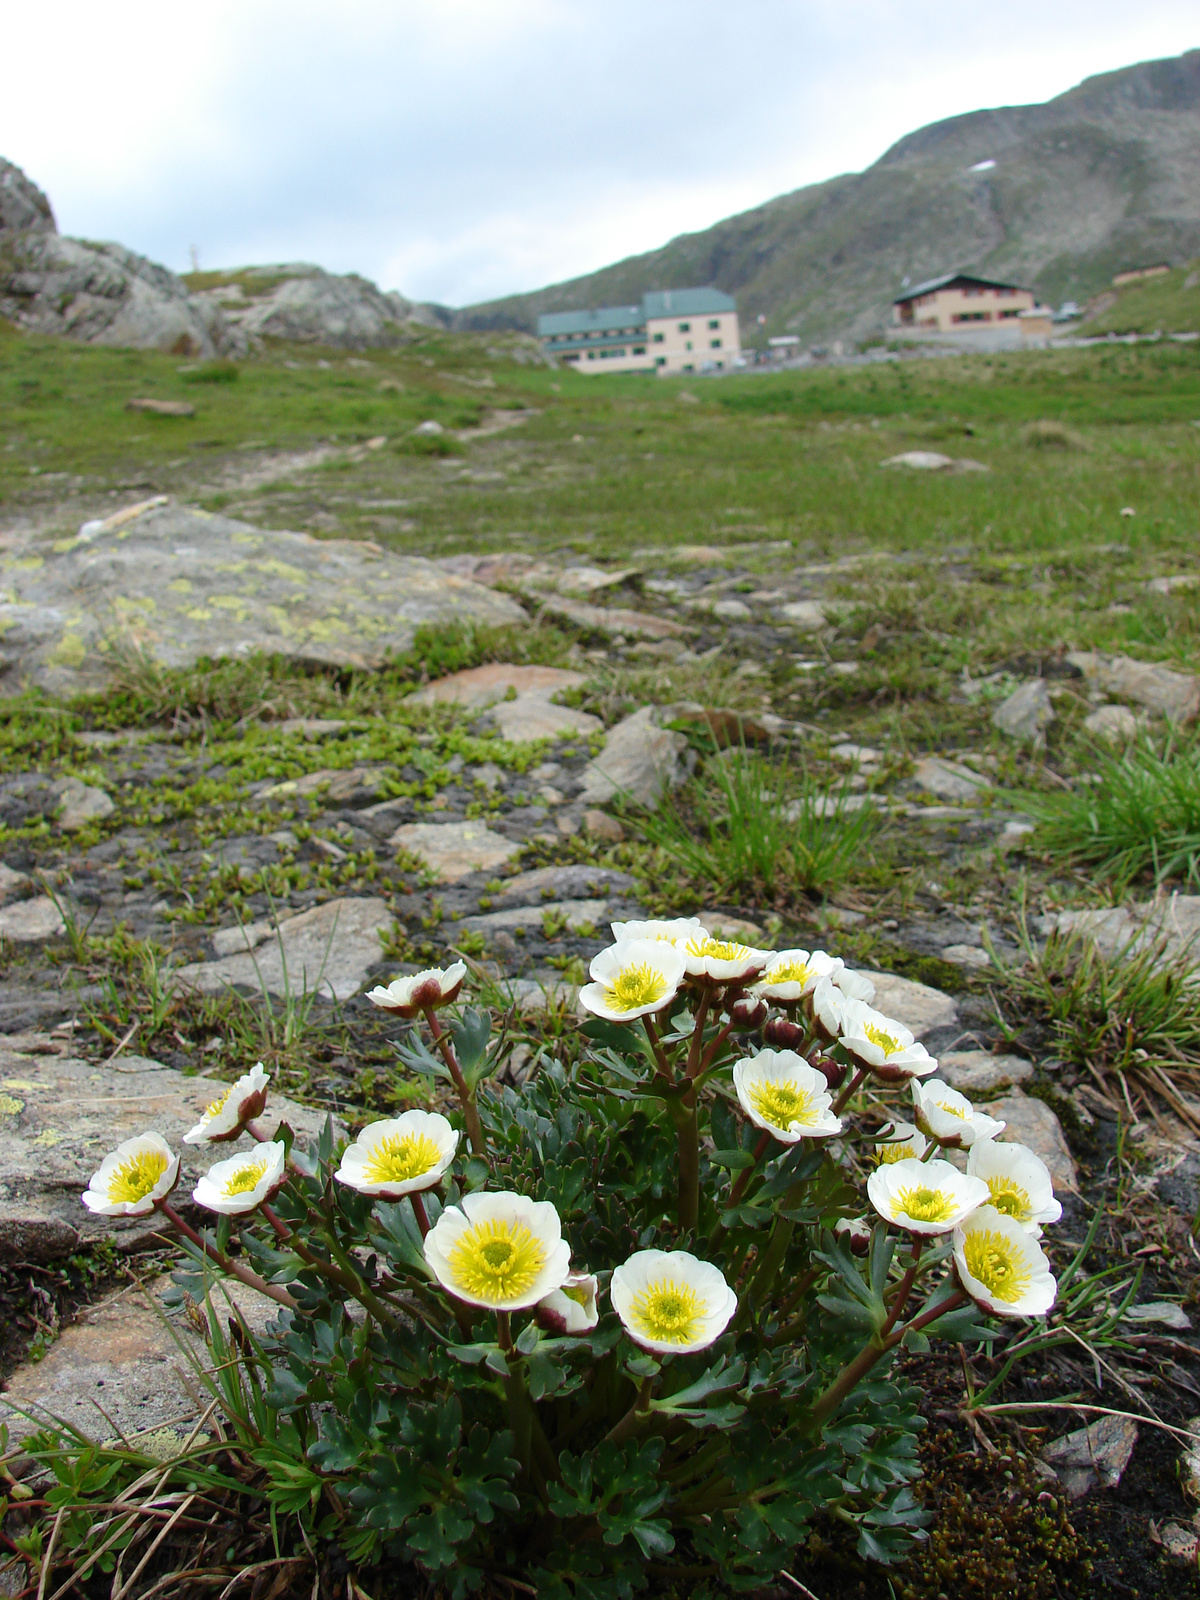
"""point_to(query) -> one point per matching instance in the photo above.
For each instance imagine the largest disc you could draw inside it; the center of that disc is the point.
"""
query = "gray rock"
(612, 619)
(1114, 723)
(1173, 920)
(731, 610)
(978, 1071)
(1180, 580)
(177, 584)
(451, 850)
(806, 615)
(429, 430)
(574, 882)
(335, 785)
(1026, 712)
(79, 804)
(599, 825)
(1095, 1455)
(493, 682)
(246, 935)
(329, 950)
(59, 1118)
(530, 717)
(1175, 695)
(1164, 1312)
(31, 921)
(580, 916)
(115, 1371)
(23, 206)
(918, 1006)
(1032, 1123)
(104, 294)
(966, 955)
(639, 762)
(307, 305)
(949, 780)
(11, 883)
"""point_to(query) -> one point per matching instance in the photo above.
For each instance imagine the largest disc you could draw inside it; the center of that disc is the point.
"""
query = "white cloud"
(468, 148)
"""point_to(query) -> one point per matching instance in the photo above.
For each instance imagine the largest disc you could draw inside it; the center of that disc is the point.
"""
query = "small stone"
(737, 930)
(579, 916)
(1114, 723)
(1094, 1455)
(530, 717)
(1181, 580)
(842, 917)
(855, 753)
(429, 430)
(246, 936)
(639, 762)
(79, 803)
(1165, 1312)
(162, 408)
(530, 996)
(599, 825)
(948, 779)
(334, 785)
(1026, 712)
(808, 616)
(11, 883)
(921, 461)
(573, 882)
(966, 955)
(918, 1006)
(588, 580)
(1032, 1123)
(329, 949)
(1175, 695)
(612, 620)
(30, 921)
(978, 1071)
(484, 686)
(311, 727)
(731, 610)
(451, 850)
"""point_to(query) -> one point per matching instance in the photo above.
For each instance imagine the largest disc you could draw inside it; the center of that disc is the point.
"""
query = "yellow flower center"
(497, 1261)
(997, 1265)
(896, 1151)
(926, 1205)
(136, 1176)
(401, 1157)
(952, 1110)
(1009, 1197)
(246, 1178)
(718, 949)
(790, 972)
(217, 1106)
(632, 987)
(576, 1292)
(887, 1042)
(781, 1104)
(668, 1312)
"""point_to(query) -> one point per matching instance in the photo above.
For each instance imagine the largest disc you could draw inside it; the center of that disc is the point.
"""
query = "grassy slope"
(1170, 304)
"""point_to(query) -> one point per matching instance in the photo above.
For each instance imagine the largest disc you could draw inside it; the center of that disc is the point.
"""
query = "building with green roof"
(672, 331)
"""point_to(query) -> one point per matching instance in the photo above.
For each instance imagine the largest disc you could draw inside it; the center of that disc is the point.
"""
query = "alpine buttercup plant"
(634, 1319)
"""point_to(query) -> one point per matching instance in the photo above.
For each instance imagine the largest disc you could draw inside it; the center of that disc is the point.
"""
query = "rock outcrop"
(177, 584)
(308, 305)
(23, 206)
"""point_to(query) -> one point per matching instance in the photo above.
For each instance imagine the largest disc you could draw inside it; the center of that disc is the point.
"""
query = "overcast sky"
(462, 149)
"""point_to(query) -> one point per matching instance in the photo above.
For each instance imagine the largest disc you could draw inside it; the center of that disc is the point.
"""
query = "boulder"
(452, 850)
(639, 762)
(59, 1118)
(1171, 694)
(176, 584)
(23, 206)
(1031, 1122)
(918, 1006)
(1173, 920)
(1026, 711)
(949, 780)
(528, 717)
(978, 1071)
(329, 950)
(1116, 724)
(307, 305)
(105, 294)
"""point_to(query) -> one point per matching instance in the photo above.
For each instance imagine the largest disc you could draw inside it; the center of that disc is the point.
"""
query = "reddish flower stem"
(466, 1098)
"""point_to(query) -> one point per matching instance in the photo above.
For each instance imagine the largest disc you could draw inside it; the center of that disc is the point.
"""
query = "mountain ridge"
(1102, 177)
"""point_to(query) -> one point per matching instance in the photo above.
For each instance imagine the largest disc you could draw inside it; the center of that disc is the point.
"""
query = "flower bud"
(858, 1230)
(747, 1012)
(784, 1035)
(834, 1071)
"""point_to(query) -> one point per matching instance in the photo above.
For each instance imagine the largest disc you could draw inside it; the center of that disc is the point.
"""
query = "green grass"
(1139, 816)
(1168, 304)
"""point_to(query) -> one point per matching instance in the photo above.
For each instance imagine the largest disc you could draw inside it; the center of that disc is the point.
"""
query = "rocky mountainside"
(302, 302)
(1059, 196)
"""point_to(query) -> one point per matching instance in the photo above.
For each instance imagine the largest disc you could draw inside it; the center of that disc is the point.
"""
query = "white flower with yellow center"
(224, 1119)
(721, 961)
(949, 1117)
(675, 930)
(499, 1250)
(924, 1196)
(571, 1309)
(828, 1006)
(781, 1093)
(400, 1155)
(884, 1046)
(854, 985)
(244, 1181)
(406, 997)
(791, 974)
(1019, 1182)
(633, 979)
(1001, 1266)
(671, 1302)
(138, 1173)
(903, 1142)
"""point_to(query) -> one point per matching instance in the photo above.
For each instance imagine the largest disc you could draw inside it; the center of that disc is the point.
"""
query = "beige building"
(672, 331)
(958, 302)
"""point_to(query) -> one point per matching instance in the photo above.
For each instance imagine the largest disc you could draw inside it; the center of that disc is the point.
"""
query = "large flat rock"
(451, 850)
(640, 760)
(178, 584)
(59, 1118)
(920, 1008)
(1160, 689)
(484, 686)
(1173, 920)
(329, 950)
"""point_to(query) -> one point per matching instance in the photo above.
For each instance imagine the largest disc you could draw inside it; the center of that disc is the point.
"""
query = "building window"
(639, 349)
(591, 355)
(714, 322)
(685, 327)
(660, 361)
(689, 367)
(714, 344)
(659, 337)
(573, 356)
(689, 344)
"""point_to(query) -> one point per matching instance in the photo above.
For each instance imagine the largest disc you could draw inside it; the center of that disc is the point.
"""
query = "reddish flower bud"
(834, 1071)
(784, 1035)
(747, 1012)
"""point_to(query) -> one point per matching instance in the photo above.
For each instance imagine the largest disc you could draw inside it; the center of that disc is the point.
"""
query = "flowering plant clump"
(637, 1319)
